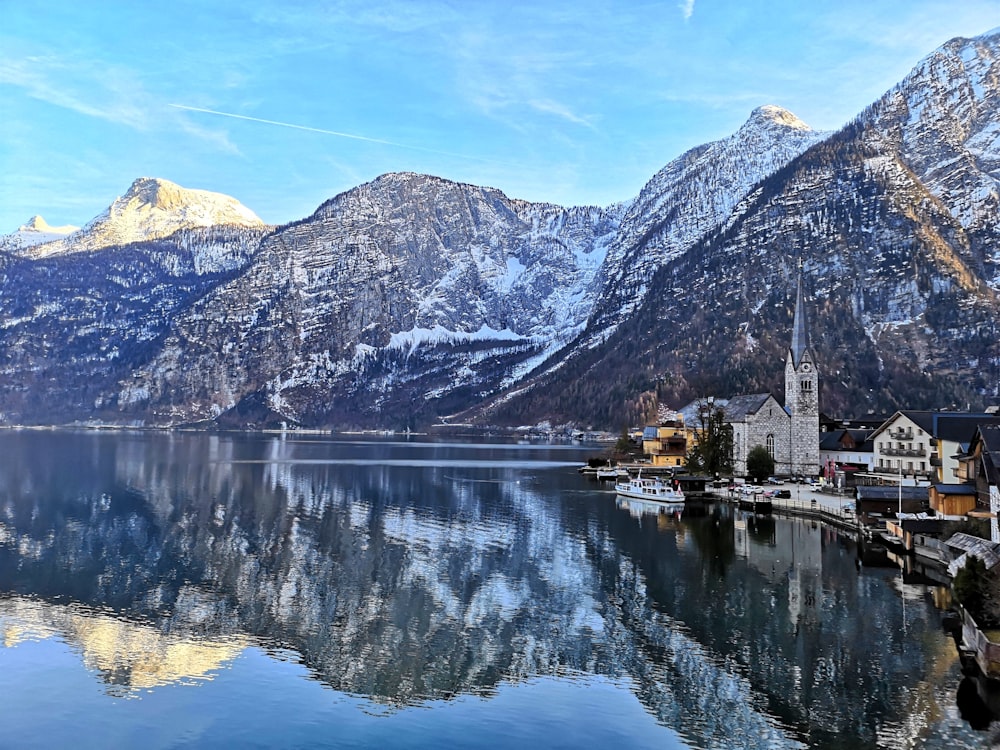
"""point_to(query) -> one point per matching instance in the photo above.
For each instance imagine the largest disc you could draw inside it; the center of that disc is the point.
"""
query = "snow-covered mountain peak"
(153, 208)
(771, 115)
(708, 182)
(36, 231)
(38, 224)
(148, 196)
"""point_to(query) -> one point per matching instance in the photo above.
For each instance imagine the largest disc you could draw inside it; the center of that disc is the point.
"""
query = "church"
(790, 433)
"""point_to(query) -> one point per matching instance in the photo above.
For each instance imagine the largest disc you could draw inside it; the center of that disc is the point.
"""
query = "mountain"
(690, 196)
(398, 300)
(35, 232)
(150, 209)
(412, 299)
(893, 221)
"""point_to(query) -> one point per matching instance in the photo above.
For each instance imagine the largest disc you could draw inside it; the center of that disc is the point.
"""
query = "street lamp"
(899, 513)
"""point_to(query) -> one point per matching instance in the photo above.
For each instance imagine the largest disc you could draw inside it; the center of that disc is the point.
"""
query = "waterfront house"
(979, 468)
(952, 499)
(877, 503)
(846, 452)
(666, 444)
(921, 447)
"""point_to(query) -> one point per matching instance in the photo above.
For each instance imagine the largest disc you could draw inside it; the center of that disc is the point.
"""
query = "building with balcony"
(922, 447)
(666, 444)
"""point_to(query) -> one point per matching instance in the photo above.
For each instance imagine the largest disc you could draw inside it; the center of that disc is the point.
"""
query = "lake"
(171, 590)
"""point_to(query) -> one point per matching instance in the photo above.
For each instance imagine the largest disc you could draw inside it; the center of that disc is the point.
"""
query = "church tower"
(802, 395)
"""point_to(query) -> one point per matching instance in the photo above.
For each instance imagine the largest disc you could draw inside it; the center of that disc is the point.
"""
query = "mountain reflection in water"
(408, 573)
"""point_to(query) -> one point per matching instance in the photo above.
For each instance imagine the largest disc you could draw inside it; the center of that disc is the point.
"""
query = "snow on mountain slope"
(689, 197)
(400, 268)
(941, 123)
(36, 232)
(151, 208)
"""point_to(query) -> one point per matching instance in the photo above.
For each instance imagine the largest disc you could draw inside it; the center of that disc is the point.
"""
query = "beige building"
(666, 444)
(922, 447)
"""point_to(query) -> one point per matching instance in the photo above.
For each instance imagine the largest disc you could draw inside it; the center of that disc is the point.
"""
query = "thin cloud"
(323, 131)
(111, 94)
(687, 9)
(557, 109)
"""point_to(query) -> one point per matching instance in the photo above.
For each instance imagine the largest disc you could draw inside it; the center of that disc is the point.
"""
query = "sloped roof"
(832, 441)
(955, 489)
(739, 407)
(990, 434)
(867, 421)
(984, 549)
(889, 492)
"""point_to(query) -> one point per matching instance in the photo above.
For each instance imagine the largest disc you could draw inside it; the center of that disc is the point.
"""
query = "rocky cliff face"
(72, 326)
(401, 292)
(413, 299)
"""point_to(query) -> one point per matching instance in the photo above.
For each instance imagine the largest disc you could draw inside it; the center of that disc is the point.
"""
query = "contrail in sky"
(325, 132)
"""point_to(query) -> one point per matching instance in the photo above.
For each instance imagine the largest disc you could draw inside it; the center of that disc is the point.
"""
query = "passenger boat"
(647, 488)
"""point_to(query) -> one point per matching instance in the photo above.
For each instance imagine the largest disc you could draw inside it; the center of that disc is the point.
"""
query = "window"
(807, 386)
(770, 444)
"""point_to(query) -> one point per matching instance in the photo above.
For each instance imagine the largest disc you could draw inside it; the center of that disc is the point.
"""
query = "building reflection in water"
(407, 573)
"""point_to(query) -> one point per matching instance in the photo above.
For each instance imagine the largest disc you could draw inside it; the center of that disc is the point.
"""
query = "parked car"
(775, 480)
(784, 494)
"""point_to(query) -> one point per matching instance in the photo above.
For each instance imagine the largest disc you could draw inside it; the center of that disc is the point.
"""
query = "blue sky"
(284, 104)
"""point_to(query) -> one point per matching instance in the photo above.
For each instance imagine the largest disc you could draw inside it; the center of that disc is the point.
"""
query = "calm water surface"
(193, 590)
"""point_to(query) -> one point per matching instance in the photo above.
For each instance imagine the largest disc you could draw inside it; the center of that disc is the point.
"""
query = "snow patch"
(440, 335)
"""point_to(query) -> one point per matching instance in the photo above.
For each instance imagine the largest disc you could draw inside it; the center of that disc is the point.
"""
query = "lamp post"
(899, 513)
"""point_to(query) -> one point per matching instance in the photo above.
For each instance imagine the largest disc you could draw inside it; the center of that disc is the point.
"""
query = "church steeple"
(800, 327)
(802, 392)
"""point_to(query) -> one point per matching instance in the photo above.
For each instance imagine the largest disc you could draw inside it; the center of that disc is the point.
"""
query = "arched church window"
(770, 444)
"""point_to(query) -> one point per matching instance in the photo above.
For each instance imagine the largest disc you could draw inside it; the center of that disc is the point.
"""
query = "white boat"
(648, 488)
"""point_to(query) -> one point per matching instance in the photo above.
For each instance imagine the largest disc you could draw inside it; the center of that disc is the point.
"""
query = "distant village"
(926, 483)
(908, 473)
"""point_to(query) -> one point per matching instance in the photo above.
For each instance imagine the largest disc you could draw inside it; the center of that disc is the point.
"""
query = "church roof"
(800, 328)
(740, 406)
